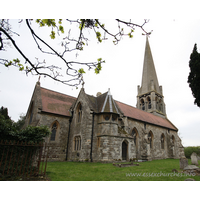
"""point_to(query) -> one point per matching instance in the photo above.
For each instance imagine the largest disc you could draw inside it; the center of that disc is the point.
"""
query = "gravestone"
(190, 167)
(183, 163)
(194, 159)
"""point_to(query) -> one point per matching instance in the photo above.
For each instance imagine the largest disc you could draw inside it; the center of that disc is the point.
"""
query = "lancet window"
(77, 143)
(142, 104)
(79, 112)
(134, 134)
(150, 139)
(162, 141)
(54, 129)
(149, 102)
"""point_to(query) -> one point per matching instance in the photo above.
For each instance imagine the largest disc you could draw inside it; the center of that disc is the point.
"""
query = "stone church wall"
(58, 148)
(82, 129)
(156, 152)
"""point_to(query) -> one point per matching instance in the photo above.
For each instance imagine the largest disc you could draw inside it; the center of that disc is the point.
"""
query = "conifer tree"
(194, 75)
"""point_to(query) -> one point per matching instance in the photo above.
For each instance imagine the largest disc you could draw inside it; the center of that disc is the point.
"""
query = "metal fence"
(22, 158)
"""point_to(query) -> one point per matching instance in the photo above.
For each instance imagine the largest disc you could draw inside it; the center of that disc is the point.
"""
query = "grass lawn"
(156, 170)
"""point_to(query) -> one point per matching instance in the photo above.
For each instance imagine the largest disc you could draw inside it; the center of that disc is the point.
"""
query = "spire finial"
(38, 82)
(83, 83)
(109, 91)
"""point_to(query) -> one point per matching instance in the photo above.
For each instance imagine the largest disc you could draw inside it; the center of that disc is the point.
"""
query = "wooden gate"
(22, 158)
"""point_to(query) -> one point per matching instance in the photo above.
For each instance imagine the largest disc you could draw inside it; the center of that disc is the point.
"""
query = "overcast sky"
(171, 43)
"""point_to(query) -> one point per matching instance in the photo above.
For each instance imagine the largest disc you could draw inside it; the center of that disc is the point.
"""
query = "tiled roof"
(138, 114)
(57, 103)
(103, 103)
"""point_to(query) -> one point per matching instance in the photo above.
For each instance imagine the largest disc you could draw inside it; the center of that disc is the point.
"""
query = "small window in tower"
(149, 103)
(114, 117)
(106, 117)
(142, 104)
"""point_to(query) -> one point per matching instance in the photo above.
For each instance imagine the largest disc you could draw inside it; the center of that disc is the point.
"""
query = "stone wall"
(82, 128)
(58, 148)
(57, 151)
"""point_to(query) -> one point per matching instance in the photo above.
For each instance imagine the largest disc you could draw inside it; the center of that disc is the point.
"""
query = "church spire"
(149, 76)
(150, 97)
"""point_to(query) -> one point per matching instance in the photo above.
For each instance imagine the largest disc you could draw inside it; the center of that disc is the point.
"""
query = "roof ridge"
(126, 104)
(145, 116)
(58, 92)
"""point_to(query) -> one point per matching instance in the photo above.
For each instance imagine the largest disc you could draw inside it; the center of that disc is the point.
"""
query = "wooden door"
(124, 150)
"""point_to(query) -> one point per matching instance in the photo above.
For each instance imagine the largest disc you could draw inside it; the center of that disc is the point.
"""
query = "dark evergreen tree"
(4, 112)
(194, 75)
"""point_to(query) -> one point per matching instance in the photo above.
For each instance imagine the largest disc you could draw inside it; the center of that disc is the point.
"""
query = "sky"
(171, 42)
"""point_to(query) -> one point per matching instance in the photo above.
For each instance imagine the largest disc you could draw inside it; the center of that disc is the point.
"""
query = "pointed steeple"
(109, 104)
(150, 97)
(149, 77)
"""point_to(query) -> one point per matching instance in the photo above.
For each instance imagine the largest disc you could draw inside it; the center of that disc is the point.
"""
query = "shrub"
(10, 132)
(189, 150)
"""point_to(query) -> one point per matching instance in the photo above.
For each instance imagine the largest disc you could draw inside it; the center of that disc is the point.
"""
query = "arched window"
(124, 150)
(54, 129)
(149, 102)
(77, 143)
(134, 134)
(150, 139)
(142, 105)
(79, 112)
(162, 141)
(173, 139)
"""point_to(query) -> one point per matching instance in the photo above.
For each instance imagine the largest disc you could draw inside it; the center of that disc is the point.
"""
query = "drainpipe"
(70, 121)
(92, 135)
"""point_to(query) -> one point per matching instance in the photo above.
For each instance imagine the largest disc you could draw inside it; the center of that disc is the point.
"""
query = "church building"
(88, 128)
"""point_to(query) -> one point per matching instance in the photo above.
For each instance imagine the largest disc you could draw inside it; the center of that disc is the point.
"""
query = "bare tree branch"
(72, 68)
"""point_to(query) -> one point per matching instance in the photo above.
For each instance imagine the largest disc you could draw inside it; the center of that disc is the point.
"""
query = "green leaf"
(81, 71)
(8, 64)
(16, 60)
(52, 35)
(98, 35)
(61, 29)
(21, 68)
(129, 34)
